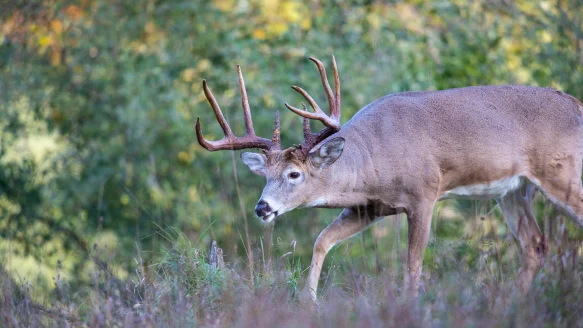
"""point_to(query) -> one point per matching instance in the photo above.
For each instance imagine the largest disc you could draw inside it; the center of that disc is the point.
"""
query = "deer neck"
(342, 185)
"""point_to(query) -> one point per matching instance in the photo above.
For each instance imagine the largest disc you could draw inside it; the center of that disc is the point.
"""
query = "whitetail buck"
(406, 151)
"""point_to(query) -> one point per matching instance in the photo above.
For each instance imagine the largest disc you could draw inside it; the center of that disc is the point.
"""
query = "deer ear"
(255, 162)
(328, 153)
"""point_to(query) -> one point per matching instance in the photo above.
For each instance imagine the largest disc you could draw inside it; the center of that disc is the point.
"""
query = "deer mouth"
(269, 217)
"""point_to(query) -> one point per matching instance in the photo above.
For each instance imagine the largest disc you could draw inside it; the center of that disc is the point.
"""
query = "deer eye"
(293, 175)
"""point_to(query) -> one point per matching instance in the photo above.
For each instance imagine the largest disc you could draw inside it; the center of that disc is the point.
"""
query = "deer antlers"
(331, 122)
(250, 140)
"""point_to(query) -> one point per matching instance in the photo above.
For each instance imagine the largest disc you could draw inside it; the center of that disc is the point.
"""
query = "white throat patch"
(317, 202)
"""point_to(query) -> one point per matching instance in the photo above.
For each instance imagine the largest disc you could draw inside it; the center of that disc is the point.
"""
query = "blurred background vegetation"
(98, 101)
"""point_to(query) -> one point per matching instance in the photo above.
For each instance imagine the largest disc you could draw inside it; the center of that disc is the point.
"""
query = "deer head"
(294, 174)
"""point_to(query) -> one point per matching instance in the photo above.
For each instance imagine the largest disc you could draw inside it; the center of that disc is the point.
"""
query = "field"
(109, 206)
(190, 286)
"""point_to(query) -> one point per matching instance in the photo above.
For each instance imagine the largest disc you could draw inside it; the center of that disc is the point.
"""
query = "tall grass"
(189, 287)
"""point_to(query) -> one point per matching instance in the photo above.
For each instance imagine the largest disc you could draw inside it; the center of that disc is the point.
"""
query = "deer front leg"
(419, 223)
(350, 221)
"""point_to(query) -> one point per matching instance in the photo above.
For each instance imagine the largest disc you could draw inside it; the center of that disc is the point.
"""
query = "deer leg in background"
(560, 182)
(350, 221)
(517, 208)
(419, 223)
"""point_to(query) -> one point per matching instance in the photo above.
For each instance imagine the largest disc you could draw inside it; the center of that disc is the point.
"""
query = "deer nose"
(262, 208)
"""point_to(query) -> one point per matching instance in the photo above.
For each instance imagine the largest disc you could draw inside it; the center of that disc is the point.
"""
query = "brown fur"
(404, 151)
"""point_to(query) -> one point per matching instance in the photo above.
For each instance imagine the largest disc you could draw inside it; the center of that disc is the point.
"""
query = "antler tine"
(218, 113)
(276, 139)
(201, 140)
(325, 84)
(318, 113)
(336, 113)
(307, 129)
(245, 104)
(310, 100)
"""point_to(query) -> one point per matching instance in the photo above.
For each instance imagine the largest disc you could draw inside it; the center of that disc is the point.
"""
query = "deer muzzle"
(263, 210)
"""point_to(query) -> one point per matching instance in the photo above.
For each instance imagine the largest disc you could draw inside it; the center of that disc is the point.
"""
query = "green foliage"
(293, 274)
(98, 100)
(199, 278)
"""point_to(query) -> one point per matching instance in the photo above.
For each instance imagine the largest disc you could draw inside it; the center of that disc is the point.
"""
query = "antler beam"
(230, 141)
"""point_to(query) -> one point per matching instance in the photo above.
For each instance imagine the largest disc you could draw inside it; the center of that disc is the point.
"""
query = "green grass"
(462, 286)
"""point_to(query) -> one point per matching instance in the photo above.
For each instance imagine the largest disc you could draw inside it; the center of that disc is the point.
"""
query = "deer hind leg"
(350, 222)
(560, 182)
(419, 224)
(517, 208)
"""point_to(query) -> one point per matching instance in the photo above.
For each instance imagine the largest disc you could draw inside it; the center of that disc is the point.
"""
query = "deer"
(406, 151)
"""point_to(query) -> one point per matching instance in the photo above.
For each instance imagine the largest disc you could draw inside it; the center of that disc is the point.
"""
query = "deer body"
(404, 152)
(445, 142)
